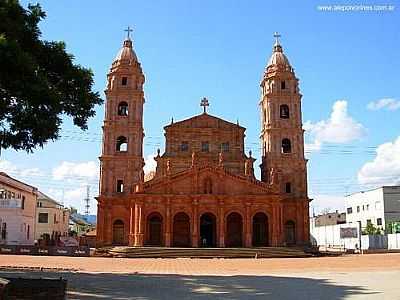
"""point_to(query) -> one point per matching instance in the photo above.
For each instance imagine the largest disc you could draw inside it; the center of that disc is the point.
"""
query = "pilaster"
(221, 222)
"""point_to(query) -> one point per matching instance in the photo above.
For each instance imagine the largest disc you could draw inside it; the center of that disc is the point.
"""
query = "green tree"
(39, 83)
(73, 210)
(371, 229)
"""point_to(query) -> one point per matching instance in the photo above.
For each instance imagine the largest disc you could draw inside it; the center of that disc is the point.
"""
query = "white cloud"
(31, 172)
(385, 103)
(89, 170)
(16, 171)
(149, 164)
(8, 167)
(340, 128)
(385, 168)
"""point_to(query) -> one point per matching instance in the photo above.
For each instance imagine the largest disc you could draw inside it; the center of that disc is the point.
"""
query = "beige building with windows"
(332, 218)
(17, 211)
(51, 217)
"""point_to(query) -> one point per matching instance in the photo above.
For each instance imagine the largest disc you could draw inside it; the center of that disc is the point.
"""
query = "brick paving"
(352, 263)
(373, 276)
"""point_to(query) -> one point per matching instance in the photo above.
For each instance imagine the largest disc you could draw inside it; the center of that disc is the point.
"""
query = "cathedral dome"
(277, 57)
(126, 53)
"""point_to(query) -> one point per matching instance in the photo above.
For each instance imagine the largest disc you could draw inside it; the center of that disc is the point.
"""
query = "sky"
(346, 58)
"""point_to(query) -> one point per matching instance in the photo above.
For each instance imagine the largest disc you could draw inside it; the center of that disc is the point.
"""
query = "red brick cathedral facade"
(204, 192)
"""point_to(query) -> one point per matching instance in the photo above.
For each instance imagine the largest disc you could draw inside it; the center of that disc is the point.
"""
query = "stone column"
(138, 225)
(132, 225)
(168, 224)
(306, 220)
(141, 226)
(247, 228)
(108, 227)
(221, 222)
(281, 235)
(195, 231)
(299, 221)
(100, 226)
(275, 225)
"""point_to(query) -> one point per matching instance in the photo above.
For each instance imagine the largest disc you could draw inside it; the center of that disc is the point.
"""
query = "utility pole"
(87, 201)
(2, 137)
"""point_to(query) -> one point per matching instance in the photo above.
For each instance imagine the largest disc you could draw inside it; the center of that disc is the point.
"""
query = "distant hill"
(92, 219)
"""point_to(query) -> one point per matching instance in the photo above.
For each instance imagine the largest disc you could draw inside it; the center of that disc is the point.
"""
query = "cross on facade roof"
(204, 103)
(129, 30)
(277, 36)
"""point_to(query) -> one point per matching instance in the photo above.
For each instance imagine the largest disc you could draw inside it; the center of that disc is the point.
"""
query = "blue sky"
(218, 49)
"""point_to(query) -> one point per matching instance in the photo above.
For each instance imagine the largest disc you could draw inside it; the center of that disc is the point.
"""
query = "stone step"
(164, 252)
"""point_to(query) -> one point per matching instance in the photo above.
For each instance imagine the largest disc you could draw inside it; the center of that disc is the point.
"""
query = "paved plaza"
(347, 277)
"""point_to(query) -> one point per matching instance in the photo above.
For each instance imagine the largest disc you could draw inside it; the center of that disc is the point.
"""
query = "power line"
(257, 150)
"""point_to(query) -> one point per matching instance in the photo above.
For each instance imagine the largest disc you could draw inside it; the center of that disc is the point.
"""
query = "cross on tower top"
(128, 30)
(204, 103)
(277, 36)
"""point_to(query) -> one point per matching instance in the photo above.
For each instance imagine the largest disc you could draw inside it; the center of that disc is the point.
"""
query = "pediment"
(197, 181)
(203, 121)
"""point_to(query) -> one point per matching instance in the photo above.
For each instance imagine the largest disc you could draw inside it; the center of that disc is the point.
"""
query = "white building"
(17, 211)
(379, 206)
(51, 218)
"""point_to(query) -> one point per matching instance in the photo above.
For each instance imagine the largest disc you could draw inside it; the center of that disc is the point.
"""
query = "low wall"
(371, 242)
(329, 237)
(52, 251)
(394, 241)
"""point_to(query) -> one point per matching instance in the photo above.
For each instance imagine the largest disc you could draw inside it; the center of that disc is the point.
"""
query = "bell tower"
(121, 162)
(281, 134)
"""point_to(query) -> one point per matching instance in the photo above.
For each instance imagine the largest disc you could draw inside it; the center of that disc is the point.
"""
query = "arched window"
(207, 186)
(288, 187)
(286, 146)
(225, 147)
(205, 146)
(123, 109)
(184, 146)
(124, 81)
(120, 186)
(284, 111)
(122, 144)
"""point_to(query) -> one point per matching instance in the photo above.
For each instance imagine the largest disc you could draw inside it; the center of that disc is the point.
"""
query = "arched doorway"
(118, 232)
(154, 230)
(290, 233)
(234, 230)
(260, 230)
(181, 230)
(208, 229)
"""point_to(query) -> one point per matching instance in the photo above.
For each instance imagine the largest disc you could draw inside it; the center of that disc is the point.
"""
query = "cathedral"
(204, 192)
